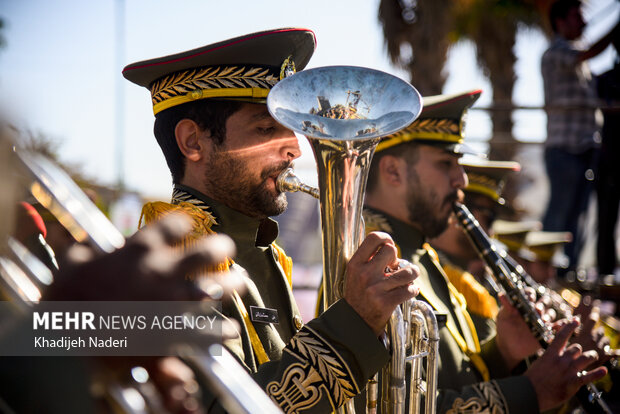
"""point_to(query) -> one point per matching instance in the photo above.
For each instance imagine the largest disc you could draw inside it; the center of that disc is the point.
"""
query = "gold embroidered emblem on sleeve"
(320, 367)
(298, 389)
(490, 400)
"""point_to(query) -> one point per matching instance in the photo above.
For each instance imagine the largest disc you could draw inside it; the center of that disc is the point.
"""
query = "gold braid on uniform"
(490, 400)
(320, 370)
(479, 300)
(472, 353)
(202, 221)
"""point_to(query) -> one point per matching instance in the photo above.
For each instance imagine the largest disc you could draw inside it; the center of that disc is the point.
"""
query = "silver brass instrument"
(588, 395)
(423, 345)
(343, 144)
(344, 111)
(418, 315)
(57, 192)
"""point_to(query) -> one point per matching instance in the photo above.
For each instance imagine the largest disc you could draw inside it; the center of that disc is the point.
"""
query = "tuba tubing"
(406, 330)
(422, 315)
(344, 111)
(588, 395)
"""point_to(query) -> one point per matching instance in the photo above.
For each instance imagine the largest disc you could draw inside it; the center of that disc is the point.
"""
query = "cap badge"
(288, 68)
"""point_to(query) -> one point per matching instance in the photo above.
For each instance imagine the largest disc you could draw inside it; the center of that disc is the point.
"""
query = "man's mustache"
(452, 198)
(276, 170)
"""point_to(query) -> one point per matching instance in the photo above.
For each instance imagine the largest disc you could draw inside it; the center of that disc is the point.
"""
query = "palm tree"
(492, 25)
(420, 45)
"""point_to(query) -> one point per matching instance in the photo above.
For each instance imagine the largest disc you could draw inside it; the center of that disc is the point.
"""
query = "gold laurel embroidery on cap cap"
(490, 400)
(309, 346)
(446, 126)
(180, 83)
(483, 180)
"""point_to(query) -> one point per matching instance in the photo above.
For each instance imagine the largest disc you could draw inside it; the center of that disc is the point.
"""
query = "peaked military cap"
(441, 123)
(243, 68)
(488, 177)
(513, 233)
(547, 246)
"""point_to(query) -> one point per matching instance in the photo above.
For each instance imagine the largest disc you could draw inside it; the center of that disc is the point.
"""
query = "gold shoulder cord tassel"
(286, 263)
(478, 301)
(473, 354)
(202, 223)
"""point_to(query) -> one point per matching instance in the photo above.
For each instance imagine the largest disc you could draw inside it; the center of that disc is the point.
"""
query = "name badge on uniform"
(264, 315)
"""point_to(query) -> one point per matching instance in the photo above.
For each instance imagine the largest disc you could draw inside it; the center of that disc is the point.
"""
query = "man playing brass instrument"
(225, 151)
(414, 180)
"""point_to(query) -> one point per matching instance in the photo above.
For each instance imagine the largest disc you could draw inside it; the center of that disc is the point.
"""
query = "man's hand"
(372, 292)
(148, 267)
(588, 336)
(558, 373)
(179, 391)
(514, 338)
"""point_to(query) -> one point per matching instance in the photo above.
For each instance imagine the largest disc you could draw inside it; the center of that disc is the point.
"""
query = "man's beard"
(230, 183)
(424, 207)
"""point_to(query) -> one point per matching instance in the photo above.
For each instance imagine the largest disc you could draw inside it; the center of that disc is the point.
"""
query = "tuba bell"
(344, 111)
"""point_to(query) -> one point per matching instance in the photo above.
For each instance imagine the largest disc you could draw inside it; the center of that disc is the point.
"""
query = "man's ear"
(188, 134)
(393, 170)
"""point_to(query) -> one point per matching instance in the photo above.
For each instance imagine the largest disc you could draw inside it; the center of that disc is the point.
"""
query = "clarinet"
(588, 395)
(558, 303)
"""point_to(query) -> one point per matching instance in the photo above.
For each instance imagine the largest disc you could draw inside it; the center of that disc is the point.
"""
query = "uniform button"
(297, 322)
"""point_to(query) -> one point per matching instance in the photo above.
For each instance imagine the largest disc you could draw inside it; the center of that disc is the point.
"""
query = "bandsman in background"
(543, 252)
(415, 179)
(458, 257)
(512, 234)
(225, 151)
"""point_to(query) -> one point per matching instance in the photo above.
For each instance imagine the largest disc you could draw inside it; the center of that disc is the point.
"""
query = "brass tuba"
(421, 332)
(344, 111)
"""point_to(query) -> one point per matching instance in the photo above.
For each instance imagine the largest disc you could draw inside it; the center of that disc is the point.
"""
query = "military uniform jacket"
(485, 326)
(312, 368)
(461, 388)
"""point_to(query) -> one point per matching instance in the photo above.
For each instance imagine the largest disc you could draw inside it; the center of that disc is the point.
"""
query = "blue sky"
(59, 71)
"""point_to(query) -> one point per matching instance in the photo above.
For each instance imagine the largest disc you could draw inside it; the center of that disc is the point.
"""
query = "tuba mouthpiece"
(288, 181)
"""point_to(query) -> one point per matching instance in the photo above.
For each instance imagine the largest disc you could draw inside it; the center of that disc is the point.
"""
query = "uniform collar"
(241, 228)
(408, 238)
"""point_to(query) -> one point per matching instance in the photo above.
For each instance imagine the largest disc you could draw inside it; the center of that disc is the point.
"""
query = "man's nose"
(290, 147)
(459, 177)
